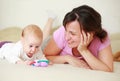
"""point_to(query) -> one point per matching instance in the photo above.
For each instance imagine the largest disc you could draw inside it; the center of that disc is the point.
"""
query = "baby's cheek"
(37, 50)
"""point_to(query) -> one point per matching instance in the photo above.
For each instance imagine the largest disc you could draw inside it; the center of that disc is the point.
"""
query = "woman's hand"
(85, 40)
(76, 62)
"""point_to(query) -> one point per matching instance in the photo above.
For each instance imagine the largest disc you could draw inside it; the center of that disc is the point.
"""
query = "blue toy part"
(43, 60)
(41, 63)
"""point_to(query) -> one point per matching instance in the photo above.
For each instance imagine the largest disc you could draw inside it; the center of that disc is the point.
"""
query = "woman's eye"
(72, 33)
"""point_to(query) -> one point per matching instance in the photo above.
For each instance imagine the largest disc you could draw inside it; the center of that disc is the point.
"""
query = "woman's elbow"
(109, 69)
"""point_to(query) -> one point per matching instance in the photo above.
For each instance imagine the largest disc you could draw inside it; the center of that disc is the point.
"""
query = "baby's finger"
(32, 62)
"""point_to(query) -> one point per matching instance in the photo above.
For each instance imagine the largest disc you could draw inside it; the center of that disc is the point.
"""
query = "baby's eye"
(30, 46)
(37, 46)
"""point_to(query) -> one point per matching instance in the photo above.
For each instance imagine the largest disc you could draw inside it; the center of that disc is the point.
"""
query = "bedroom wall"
(23, 12)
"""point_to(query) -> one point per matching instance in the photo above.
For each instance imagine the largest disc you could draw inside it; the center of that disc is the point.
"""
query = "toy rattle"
(41, 63)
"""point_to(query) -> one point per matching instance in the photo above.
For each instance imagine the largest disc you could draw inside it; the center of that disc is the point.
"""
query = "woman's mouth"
(70, 42)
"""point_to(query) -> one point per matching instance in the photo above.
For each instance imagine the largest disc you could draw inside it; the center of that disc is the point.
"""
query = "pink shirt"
(95, 46)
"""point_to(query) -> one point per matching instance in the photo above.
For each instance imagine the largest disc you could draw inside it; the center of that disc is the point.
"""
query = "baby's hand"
(29, 62)
(32, 62)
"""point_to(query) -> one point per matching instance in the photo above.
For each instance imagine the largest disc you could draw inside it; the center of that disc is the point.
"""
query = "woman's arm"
(104, 62)
(51, 49)
(52, 53)
(117, 56)
(68, 59)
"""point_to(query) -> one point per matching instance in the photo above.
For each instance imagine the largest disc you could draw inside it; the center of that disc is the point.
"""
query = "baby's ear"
(21, 38)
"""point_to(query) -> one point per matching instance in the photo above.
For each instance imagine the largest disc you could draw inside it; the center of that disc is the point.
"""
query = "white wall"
(23, 12)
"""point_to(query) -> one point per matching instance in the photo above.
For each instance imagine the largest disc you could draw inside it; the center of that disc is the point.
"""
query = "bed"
(56, 72)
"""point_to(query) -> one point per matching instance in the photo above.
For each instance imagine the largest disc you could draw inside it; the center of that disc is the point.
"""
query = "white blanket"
(56, 72)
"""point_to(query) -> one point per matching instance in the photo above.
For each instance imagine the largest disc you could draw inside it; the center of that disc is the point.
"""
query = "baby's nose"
(33, 49)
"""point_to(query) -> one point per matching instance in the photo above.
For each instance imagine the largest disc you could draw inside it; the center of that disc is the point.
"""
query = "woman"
(81, 41)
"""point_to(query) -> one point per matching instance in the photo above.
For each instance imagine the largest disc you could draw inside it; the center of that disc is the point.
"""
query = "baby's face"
(31, 45)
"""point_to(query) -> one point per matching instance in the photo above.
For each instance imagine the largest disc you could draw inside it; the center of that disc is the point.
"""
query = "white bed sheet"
(56, 72)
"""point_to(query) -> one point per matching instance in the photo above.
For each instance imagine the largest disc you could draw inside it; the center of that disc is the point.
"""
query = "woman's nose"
(67, 36)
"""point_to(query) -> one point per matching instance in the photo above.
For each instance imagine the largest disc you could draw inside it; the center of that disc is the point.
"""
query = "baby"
(27, 49)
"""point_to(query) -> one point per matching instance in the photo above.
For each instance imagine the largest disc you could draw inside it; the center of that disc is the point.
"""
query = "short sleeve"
(105, 43)
(59, 37)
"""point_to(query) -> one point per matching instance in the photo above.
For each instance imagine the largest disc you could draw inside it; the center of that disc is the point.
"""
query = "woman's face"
(73, 33)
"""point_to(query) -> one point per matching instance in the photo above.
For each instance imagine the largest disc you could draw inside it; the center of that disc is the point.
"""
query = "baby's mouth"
(30, 55)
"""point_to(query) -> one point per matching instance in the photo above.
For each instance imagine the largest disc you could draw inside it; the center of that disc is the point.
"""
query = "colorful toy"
(41, 63)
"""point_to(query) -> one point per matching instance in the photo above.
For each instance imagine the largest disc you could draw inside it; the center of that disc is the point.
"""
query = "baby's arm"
(24, 62)
(15, 59)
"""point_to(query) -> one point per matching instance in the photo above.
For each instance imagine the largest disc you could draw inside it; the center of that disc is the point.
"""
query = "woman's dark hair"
(89, 20)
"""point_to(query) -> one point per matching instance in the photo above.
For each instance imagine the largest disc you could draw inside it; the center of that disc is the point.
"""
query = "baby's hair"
(32, 29)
